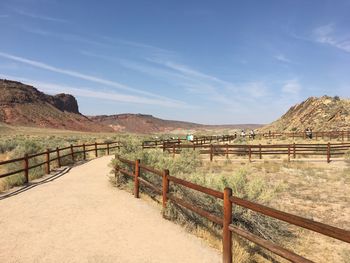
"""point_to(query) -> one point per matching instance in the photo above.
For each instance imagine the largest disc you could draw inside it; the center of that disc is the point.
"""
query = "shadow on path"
(33, 184)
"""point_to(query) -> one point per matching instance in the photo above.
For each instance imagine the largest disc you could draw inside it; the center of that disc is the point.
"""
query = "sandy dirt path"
(80, 217)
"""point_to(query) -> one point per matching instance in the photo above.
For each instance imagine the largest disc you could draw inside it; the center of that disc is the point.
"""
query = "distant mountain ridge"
(24, 105)
(318, 113)
(139, 123)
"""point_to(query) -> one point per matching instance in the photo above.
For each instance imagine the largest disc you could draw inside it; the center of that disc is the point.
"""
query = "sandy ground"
(80, 217)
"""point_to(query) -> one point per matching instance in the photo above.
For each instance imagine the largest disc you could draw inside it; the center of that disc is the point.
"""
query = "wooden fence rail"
(51, 155)
(258, 150)
(134, 169)
(202, 140)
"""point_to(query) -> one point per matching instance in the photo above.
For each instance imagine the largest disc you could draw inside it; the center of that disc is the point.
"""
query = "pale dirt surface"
(80, 217)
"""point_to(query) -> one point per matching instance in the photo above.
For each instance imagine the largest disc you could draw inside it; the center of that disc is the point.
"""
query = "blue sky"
(211, 62)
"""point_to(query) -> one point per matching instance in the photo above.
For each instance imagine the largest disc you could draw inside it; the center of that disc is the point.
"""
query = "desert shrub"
(187, 166)
(8, 145)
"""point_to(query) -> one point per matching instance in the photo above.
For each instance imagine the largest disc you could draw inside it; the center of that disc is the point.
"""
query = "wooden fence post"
(47, 166)
(211, 152)
(108, 148)
(294, 151)
(95, 149)
(328, 152)
(136, 178)
(342, 135)
(288, 153)
(260, 153)
(165, 187)
(72, 152)
(58, 157)
(84, 151)
(226, 151)
(227, 234)
(250, 153)
(26, 168)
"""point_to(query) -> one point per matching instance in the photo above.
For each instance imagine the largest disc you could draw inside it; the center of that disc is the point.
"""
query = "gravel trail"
(80, 217)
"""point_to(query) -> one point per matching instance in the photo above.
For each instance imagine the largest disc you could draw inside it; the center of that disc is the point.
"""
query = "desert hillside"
(321, 114)
(142, 123)
(24, 105)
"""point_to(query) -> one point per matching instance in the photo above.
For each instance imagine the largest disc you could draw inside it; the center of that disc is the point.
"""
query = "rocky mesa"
(318, 113)
(24, 105)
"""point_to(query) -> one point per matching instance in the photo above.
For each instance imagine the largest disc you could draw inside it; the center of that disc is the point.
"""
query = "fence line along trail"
(81, 217)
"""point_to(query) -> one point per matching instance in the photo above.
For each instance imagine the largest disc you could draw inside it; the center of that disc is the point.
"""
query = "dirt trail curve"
(80, 217)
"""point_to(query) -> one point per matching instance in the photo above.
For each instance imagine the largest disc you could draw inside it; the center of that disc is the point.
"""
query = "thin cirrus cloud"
(193, 81)
(282, 58)
(40, 17)
(84, 92)
(90, 78)
(64, 36)
(292, 87)
(327, 34)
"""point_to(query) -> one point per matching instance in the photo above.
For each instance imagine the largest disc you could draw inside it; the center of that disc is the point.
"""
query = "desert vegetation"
(313, 190)
(35, 141)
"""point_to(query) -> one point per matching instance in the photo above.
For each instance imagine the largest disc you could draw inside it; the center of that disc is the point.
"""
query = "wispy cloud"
(327, 34)
(282, 58)
(190, 71)
(40, 17)
(292, 87)
(4, 16)
(65, 37)
(90, 78)
(54, 88)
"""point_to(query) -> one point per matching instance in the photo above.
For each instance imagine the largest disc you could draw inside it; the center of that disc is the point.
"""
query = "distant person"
(308, 133)
(243, 134)
(252, 134)
(235, 135)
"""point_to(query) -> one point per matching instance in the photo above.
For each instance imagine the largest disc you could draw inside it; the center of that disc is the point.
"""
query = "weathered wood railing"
(197, 140)
(134, 169)
(201, 140)
(327, 150)
(51, 155)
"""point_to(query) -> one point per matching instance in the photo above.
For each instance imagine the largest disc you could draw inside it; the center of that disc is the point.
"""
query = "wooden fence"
(198, 140)
(201, 140)
(324, 135)
(134, 170)
(258, 150)
(51, 155)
